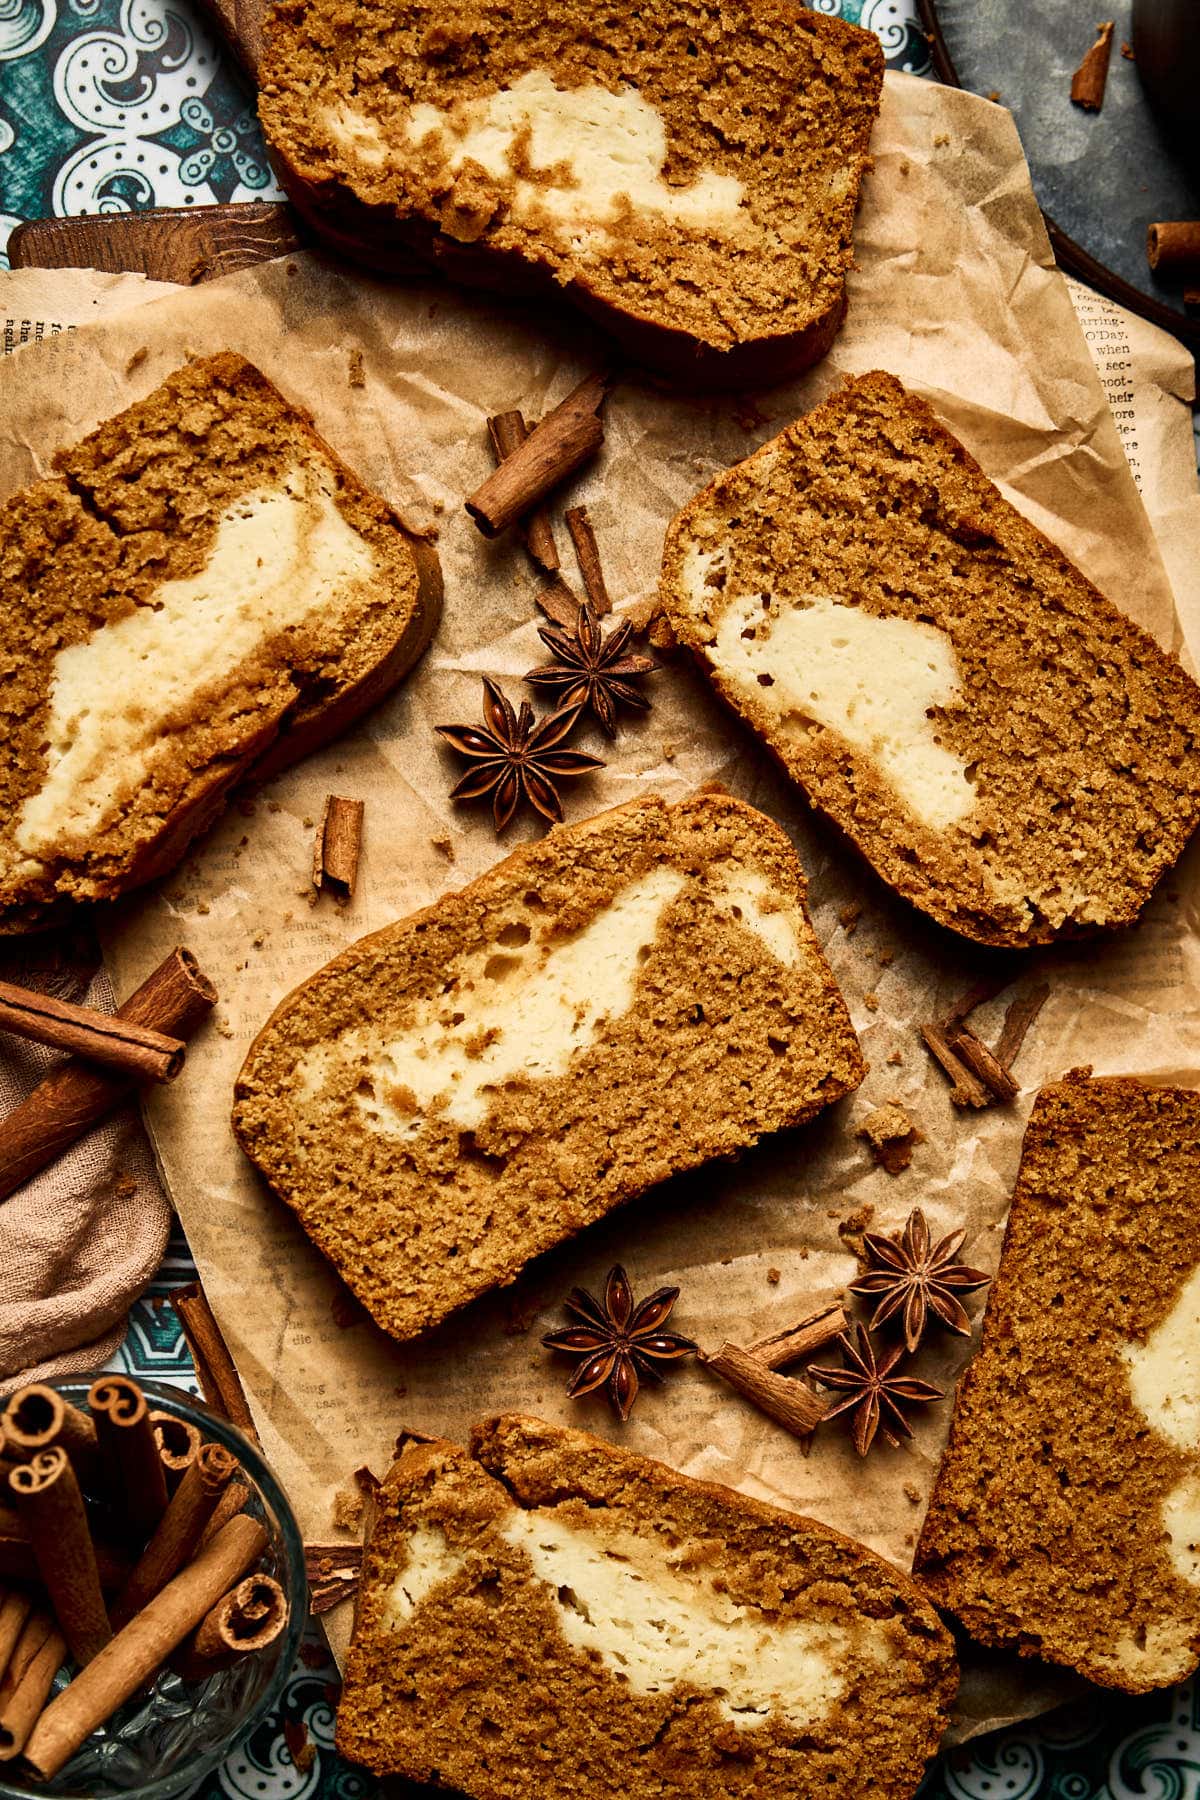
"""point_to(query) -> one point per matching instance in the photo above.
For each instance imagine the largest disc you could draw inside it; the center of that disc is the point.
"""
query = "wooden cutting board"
(183, 244)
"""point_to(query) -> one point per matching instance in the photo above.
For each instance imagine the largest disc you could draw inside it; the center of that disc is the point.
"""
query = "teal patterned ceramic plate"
(116, 105)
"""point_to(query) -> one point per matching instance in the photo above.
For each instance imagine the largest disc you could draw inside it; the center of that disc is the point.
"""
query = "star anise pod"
(873, 1393)
(920, 1277)
(515, 758)
(618, 1341)
(592, 670)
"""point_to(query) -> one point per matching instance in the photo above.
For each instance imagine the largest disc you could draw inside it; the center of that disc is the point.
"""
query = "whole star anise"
(592, 670)
(618, 1341)
(873, 1393)
(920, 1277)
(514, 758)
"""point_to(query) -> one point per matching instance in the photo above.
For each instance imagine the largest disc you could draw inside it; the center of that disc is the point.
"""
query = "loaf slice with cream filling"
(1065, 1522)
(461, 1091)
(688, 174)
(1007, 750)
(201, 589)
(549, 1617)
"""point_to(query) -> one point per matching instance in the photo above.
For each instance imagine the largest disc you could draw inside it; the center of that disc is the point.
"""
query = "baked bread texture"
(688, 176)
(550, 1617)
(1065, 1523)
(621, 1001)
(201, 590)
(1007, 750)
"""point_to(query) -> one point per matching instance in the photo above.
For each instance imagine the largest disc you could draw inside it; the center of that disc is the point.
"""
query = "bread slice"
(1006, 749)
(688, 176)
(201, 590)
(549, 1617)
(466, 1088)
(1065, 1522)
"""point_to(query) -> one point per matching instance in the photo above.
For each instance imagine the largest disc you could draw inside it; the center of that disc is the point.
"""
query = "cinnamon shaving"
(587, 555)
(333, 1574)
(1091, 77)
(559, 604)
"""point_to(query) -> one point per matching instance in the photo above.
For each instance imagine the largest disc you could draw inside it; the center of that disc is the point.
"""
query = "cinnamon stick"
(508, 432)
(984, 1065)
(790, 1402)
(333, 1572)
(1173, 246)
(796, 1341)
(129, 1451)
(587, 555)
(48, 1498)
(247, 1619)
(141, 1647)
(554, 449)
(228, 1506)
(174, 1000)
(178, 1443)
(23, 1695)
(219, 1380)
(1017, 1021)
(339, 842)
(16, 1604)
(179, 1531)
(37, 1416)
(136, 1050)
(967, 1089)
(1091, 77)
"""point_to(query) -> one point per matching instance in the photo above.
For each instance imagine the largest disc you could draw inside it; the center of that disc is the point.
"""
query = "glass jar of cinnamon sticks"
(152, 1589)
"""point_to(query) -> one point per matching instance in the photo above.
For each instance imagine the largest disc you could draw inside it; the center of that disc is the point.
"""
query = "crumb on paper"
(661, 633)
(747, 415)
(669, 752)
(886, 958)
(203, 909)
(1127, 53)
(891, 1135)
(896, 1057)
(871, 1002)
(348, 1506)
(940, 139)
(136, 360)
(856, 1222)
(848, 919)
(994, 96)
(258, 940)
(912, 1493)
(774, 1276)
(357, 376)
(904, 165)
(444, 847)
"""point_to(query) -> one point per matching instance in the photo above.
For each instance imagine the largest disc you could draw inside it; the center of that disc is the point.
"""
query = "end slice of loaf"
(688, 177)
(1065, 1522)
(1007, 750)
(201, 589)
(549, 1617)
(461, 1091)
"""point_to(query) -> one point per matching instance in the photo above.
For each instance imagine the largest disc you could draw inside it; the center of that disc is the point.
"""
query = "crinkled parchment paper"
(955, 293)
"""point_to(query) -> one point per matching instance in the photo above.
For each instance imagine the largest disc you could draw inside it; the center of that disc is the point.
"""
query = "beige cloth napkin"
(80, 1241)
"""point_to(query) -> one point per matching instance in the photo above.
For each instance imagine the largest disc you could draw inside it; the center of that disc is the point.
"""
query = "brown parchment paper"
(955, 293)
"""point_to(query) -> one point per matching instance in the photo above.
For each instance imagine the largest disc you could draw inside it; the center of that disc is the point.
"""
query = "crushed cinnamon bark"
(980, 1076)
(337, 848)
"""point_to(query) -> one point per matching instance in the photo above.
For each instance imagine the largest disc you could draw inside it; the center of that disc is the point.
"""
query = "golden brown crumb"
(892, 1136)
(357, 375)
(348, 1508)
(774, 1276)
(848, 919)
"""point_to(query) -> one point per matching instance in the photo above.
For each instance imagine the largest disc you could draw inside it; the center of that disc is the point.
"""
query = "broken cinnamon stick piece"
(338, 845)
(981, 1062)
(967, 1089)
(559, 604)
(179, 1531)
(47, 1495)
(22, 1699)
(1091, 77)
(797, 1341)
(141, 1647)
(174, 1000)
(587, 555)
(219, 1380)
(1173, 246)
(333, 1572)
(1017, 1021)
(37, 1416)
(129, 1451)
(562, 443)
(508, 432)
(246, 1620)
(136, 1050)
(790, 1402)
